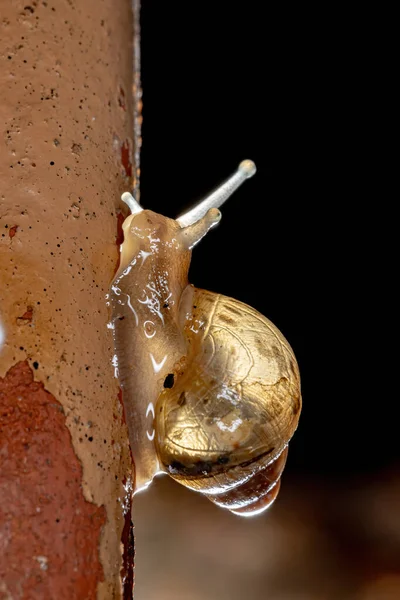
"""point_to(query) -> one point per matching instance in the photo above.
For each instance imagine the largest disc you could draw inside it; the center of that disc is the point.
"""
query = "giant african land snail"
(211, 388)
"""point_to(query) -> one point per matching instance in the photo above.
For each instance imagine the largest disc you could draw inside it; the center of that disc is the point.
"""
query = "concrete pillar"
(67, 150)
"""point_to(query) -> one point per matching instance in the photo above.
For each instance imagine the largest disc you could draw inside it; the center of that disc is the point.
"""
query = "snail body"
(211, 388)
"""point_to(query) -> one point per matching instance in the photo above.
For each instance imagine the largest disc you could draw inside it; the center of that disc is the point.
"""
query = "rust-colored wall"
(65, 157)
(46, 524)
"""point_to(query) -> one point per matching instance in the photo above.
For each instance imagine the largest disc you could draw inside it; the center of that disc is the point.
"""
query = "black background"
(278, 85)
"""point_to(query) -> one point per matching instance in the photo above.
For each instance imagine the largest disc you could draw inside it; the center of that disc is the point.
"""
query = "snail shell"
(233, 406)
(211, 388)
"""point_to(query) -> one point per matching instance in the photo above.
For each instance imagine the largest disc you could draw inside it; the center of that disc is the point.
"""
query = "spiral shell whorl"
(233, 407)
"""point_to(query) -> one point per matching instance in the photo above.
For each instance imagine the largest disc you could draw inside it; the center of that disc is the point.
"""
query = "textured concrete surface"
(66, 155)
(49, 532)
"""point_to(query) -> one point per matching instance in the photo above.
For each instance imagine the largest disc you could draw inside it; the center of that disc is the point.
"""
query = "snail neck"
(145, 297)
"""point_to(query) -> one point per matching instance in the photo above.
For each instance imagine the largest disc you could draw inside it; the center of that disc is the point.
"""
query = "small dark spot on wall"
(26, 317)
(76, 148)
(35, 365)
(75, 210)
(121, 99)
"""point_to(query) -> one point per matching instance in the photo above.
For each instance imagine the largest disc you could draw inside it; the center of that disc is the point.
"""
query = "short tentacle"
(192, 234)
(133, 204)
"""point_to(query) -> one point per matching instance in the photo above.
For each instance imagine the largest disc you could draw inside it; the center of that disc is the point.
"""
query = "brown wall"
(65, 157)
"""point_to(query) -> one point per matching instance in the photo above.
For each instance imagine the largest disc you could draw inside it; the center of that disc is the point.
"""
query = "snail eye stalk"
(217, 198)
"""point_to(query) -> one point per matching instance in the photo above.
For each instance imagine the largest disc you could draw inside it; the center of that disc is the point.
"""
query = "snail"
(211, 388)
